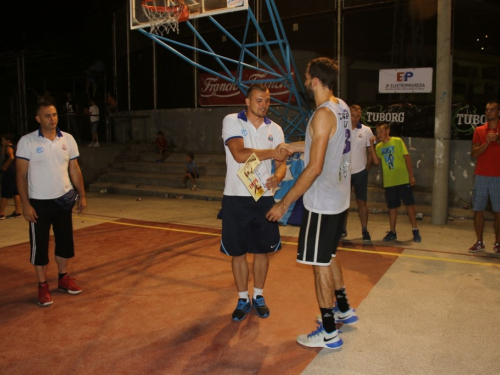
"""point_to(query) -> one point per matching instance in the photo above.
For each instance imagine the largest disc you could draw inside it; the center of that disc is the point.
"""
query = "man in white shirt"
(361, 162)
(325, 184)
(94, 121)
(244, 226)
(47, 176)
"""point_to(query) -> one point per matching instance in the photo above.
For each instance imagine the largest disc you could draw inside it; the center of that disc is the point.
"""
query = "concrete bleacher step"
(159, 179)
(136, 172)
(178, 157)
(155, 191)
(169, 167)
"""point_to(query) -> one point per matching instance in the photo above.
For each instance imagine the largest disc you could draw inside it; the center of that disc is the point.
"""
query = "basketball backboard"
(197, 9)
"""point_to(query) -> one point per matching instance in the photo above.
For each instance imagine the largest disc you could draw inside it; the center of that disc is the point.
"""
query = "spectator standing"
(71, 112)
(486, 149)
(325, 184)
(398, 178)
(9, 188)
(47, 176)
(361, 162)
(94, 122)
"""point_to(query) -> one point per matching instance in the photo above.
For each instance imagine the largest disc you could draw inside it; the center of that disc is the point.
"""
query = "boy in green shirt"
(398, 178)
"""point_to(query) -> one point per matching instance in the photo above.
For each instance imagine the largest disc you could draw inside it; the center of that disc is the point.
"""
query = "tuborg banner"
(413, 120)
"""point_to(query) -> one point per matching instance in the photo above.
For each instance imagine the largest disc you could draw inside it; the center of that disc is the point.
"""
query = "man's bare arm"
(478, 149)
(75, 174)
(279, 174)
(369, 157)
(410, 169)
(375, 158)
(241, 153)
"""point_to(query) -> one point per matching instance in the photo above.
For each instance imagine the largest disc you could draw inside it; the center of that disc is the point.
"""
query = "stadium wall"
(199, 130)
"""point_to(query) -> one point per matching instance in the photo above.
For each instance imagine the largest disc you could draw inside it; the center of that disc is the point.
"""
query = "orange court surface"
(158, 296)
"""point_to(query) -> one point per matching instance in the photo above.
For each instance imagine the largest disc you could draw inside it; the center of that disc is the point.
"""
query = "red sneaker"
(496, 248)
(44, 298)
(477, 247)
(67, 284)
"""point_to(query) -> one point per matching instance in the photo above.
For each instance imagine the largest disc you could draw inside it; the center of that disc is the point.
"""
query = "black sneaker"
(344, 234)
(260, 307)
(2, 217)
(416, 235)
(242, 308)
(366, 236)
(14, 215)
(391, 236)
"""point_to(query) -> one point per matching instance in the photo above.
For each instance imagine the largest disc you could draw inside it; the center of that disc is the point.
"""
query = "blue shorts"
(395, 194)
(245, 228)
(360, 183)
(486, 187)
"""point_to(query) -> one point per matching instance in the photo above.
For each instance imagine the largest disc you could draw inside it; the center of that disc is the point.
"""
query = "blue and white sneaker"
(349, 317)
(321, 339)
(241, 311)
(260, 307)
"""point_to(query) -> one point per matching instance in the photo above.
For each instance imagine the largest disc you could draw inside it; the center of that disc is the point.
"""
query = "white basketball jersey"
(331, 191)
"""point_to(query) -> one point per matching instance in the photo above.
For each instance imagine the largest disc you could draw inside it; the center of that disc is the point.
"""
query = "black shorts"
(395, 194)
(50, 214)
(245, 228)
(360, 182)
(319, 237)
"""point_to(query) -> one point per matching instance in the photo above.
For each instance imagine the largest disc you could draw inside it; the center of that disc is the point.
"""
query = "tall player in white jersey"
(326, 185)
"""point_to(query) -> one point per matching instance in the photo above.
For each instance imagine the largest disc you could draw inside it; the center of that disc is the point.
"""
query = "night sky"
(78, 31)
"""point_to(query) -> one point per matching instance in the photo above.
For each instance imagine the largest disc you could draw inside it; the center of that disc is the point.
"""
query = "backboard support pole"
(296, 110)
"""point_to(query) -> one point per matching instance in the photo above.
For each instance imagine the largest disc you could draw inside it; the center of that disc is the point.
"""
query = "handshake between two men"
(284, 150)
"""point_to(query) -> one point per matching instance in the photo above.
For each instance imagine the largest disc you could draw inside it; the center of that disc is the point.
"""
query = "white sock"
(257, 292)
(244, 295)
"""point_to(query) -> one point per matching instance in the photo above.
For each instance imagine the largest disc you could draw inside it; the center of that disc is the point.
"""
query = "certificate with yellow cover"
(254, 177)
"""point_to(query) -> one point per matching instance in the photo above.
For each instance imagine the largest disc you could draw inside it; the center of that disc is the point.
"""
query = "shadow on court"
(157, 298)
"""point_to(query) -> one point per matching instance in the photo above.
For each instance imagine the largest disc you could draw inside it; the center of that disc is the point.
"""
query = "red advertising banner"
(215, 91)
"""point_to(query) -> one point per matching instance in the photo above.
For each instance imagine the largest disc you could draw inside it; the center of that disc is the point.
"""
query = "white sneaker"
(96, 144)
(91, 145)
(194, 188)
(321, 339)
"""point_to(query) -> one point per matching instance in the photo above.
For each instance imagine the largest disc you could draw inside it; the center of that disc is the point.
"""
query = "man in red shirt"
(486, 149)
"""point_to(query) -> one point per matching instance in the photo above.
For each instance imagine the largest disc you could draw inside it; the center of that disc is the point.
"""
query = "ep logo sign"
(403, 76)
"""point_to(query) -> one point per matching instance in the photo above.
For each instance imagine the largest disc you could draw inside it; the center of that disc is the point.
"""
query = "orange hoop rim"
(177, 8)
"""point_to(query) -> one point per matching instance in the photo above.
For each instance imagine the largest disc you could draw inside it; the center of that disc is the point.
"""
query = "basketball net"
(164, 15)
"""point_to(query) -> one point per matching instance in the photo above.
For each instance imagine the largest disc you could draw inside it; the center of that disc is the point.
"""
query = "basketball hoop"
(165, 18)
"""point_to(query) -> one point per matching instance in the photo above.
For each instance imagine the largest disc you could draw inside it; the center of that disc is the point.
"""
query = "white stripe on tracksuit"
(33, 247)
